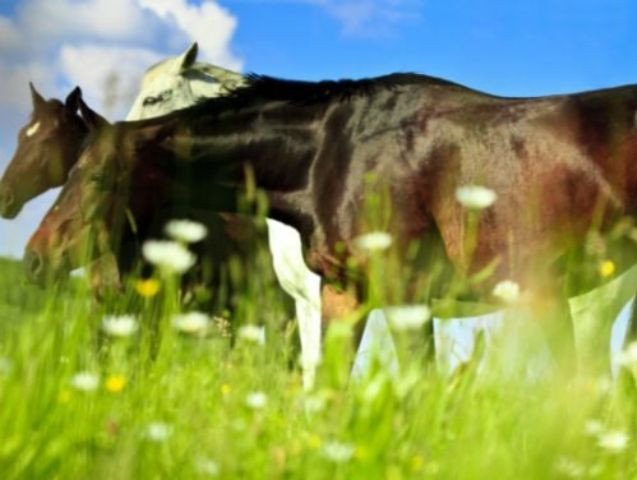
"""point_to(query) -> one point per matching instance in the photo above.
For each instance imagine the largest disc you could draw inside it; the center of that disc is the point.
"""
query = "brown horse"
(48, 146)
(563, 167)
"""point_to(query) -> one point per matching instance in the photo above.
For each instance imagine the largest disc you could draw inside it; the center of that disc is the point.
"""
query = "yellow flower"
(225, 389)
(417, 462)
(64, 396)
(115, 383)
(315, 441)
(147, 288)
(606, 268)
(361, 453)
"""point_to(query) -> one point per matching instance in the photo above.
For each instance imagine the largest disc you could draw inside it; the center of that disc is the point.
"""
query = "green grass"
(184, 413)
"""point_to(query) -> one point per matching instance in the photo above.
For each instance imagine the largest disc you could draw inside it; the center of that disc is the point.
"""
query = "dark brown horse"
(563, 167)
(51, 144)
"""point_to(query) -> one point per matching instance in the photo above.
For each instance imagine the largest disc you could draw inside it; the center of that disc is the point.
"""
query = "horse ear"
(93, 119)
(187, 59)
(37, 99)
(72, 102)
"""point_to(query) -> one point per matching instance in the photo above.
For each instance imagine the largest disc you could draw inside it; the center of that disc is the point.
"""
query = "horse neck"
(214, 157)
(75, 147)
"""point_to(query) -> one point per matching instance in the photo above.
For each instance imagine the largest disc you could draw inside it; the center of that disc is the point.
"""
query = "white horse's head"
(180, 82)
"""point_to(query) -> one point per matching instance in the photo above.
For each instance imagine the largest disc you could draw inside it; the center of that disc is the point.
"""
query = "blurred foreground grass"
(78, 403)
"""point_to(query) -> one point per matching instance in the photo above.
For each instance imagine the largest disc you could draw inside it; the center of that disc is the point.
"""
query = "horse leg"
(594, 314)
(550, 306)
(304, 286)
(559, 332)
(309, 318)
(631, 328)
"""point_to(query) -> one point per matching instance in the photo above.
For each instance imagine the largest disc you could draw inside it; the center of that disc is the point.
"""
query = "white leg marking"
(304, 286)
(376, 343)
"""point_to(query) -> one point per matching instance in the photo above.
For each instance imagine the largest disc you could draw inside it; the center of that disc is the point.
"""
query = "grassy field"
(81, 398)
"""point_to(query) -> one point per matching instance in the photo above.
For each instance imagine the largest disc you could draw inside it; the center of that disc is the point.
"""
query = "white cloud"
(104, 19)
(14, 94)
(9, 35)
(109, 76)
(209, 24)
(92, 42)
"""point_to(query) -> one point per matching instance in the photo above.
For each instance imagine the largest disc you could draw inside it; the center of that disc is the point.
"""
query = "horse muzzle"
(35, 267)
(9, 207)
(42, 271)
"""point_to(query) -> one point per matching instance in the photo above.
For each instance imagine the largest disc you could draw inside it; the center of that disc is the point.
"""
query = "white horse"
(180, 82)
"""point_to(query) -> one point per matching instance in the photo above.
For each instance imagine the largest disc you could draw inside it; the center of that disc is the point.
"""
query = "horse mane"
(270, 88)
(259, 89)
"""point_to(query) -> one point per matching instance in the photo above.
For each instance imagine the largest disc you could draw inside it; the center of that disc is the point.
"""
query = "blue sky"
(506, 47)
(500, 46)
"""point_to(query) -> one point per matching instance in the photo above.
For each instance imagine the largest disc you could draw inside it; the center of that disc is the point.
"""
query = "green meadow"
(122, 390)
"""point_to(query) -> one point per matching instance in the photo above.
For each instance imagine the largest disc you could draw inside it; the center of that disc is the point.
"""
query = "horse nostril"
(34, 264)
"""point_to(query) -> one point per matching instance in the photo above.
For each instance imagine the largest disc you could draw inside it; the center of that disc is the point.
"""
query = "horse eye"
(99, 178)
(96, 177)
(151, 101)
(162, 97)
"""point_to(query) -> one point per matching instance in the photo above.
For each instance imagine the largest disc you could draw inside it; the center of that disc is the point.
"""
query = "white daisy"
(192, 322)
(593, 427)
(613, 441)
(407, 317)
(85, 381)
(207, 466)
(314, 404)
(170, 256)
(119, 326)
(507, 290)
(338, 452)
(158, 431)
(475, 197)
(186, 231)
(256, 400)
(252, 333)
(373, 241)
(569, 468)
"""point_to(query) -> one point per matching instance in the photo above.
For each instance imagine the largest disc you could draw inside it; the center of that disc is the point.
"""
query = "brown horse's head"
(79, 226)
(48, 147)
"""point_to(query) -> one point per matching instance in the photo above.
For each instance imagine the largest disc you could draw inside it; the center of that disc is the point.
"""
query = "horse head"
(77, 230)
(180, 82)
(48, 147)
